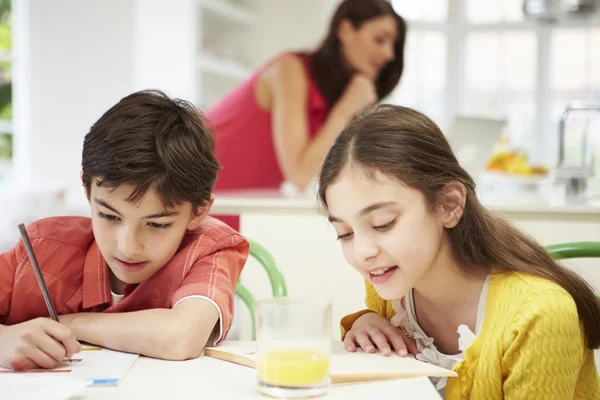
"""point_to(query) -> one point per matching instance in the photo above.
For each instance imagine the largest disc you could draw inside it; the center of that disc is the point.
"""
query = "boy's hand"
(41, 342)
(372, 331)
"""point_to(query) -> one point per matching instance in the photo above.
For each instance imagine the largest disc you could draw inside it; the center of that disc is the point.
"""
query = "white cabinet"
(223, 59)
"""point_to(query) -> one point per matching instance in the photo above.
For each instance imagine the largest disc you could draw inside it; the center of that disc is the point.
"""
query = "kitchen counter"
(261, 201)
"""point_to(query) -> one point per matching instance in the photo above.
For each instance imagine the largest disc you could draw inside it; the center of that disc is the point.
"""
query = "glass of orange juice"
(293, 347)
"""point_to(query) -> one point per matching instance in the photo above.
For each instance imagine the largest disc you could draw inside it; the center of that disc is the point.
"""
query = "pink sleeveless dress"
(244, 136)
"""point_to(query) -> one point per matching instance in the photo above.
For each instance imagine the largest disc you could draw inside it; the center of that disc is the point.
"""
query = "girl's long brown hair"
(327, 66)
(404, 143)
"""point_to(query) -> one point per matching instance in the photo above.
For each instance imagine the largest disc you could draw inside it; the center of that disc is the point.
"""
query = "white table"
(209, 378)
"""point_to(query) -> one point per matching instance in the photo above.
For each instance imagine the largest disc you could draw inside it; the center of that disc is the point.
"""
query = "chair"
(575, 250)
(278, 286)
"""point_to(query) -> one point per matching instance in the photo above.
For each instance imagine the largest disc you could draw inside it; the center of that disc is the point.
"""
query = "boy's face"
(138, 239)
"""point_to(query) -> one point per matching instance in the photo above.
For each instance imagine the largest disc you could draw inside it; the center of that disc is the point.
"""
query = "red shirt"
(207, 264)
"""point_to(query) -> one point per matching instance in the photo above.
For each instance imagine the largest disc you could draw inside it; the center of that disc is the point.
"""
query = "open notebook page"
(98, 367)
(345, 367)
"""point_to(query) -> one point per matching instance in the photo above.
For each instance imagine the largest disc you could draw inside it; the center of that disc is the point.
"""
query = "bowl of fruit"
(510, 173)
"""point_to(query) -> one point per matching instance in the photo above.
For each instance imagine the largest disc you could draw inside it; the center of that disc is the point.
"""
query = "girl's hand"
(372, 331)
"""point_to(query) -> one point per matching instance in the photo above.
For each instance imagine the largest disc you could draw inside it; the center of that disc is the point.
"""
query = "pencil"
(38, 273)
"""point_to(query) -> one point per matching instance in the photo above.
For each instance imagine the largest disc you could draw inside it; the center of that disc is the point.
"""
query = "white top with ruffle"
(428, 351)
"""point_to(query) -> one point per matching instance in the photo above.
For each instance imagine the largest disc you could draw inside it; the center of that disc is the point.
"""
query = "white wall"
(299, 25)
(74, 59)
(72, 65)
(164, 46)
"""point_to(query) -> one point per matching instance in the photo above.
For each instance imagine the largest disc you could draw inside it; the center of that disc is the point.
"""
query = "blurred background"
(63, 62)
(523, 66)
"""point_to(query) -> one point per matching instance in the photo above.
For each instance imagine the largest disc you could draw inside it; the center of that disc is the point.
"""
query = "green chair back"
(278, 287)
(575, 250)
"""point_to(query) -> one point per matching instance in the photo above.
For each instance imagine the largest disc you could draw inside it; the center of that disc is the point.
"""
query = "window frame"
(456, 28)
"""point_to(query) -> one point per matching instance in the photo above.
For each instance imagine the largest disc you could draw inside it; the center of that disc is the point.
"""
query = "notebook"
(345, 367)
(98, 367)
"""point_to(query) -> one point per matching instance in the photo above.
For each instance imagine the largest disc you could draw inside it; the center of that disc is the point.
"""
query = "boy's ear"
(200, 214)
(452, 204)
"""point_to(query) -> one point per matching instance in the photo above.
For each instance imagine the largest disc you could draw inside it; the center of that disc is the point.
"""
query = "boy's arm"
(203, 304)
(171, 334)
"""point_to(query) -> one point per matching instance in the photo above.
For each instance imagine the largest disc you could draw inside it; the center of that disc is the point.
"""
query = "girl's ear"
(452, 204)
(200, 213)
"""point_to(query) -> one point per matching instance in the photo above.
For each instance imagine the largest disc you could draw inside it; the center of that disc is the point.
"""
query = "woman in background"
(279, 125)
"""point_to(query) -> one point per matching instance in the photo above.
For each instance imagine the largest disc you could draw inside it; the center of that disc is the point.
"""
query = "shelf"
(223, 67)
(228, 10)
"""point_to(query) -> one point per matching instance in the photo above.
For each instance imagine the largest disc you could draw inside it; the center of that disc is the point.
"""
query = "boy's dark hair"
(151, 141)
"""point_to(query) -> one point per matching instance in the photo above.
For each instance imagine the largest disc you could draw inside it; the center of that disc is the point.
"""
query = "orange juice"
(293, 367)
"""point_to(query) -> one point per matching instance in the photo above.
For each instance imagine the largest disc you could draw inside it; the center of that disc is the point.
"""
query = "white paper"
(358, 363)
(98, 368)
(102, 367)
(32, 387)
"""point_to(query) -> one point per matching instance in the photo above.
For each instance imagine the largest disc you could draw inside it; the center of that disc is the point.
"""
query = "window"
(482, 58)
(5, 90)
(423, 82)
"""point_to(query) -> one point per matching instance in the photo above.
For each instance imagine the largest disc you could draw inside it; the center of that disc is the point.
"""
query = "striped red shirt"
(207, 264)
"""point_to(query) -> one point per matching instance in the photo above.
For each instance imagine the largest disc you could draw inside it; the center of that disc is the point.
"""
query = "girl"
(462, 287)
(278, 126)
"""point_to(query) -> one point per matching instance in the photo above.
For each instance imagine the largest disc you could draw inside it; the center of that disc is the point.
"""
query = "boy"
(150, 272)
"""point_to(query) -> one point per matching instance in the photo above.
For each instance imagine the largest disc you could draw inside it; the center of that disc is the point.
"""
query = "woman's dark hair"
(328, 68)
(403, 143)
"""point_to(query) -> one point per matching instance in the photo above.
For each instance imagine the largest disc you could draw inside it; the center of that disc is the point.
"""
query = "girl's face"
(386, 230)
(370, 48)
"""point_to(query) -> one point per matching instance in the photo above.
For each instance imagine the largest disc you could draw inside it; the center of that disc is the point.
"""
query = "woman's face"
(370, 48)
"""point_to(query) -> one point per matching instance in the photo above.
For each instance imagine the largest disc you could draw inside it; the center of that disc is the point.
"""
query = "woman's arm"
(299, 157)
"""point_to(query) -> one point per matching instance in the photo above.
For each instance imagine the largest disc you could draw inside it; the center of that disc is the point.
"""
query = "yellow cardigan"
(531, 344)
